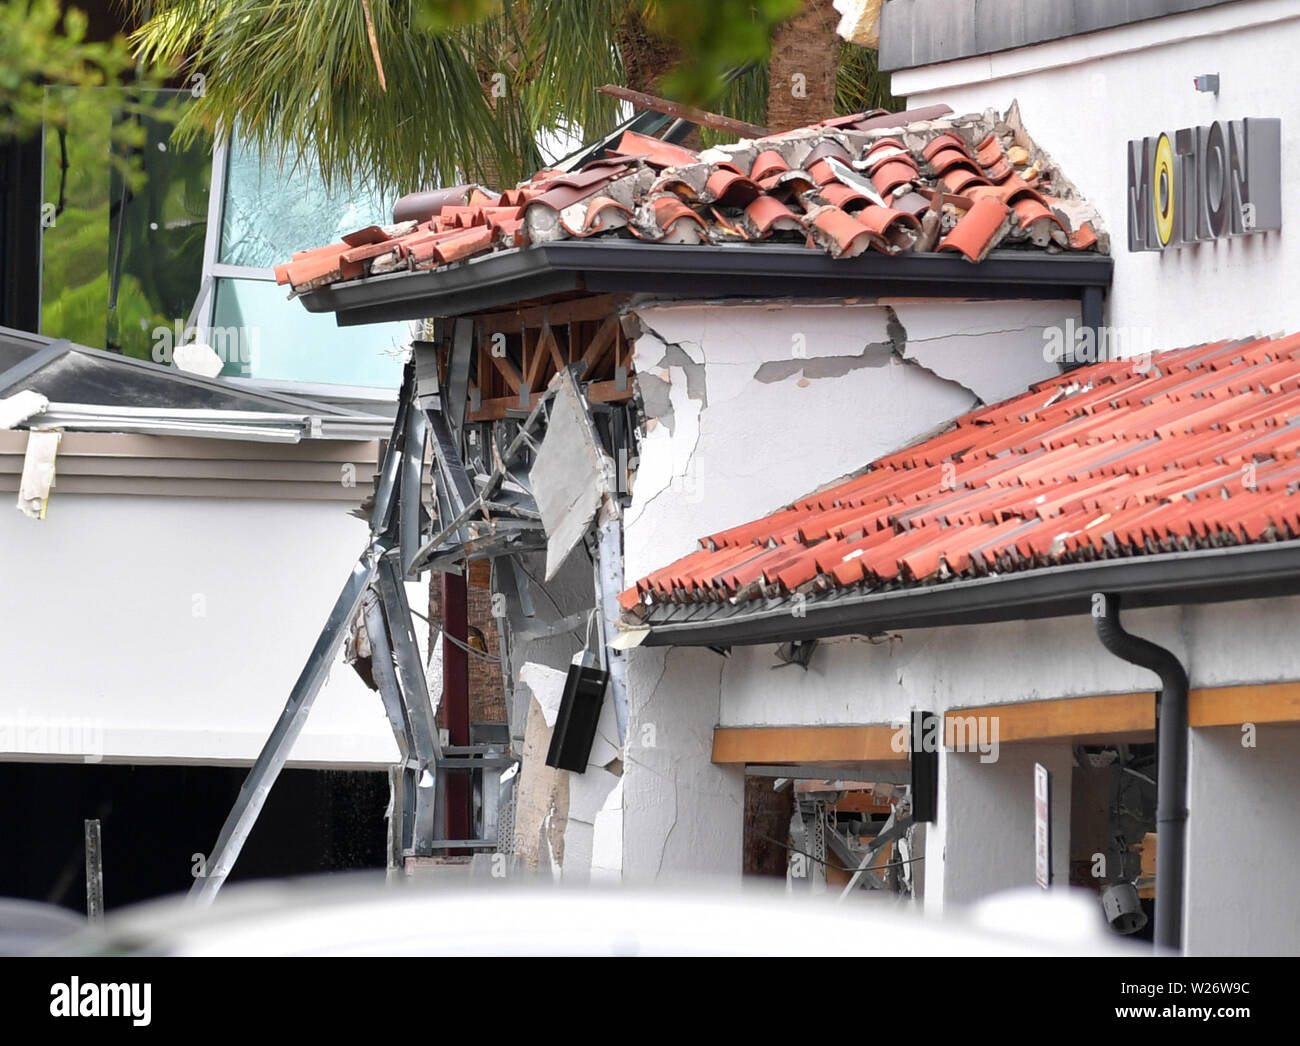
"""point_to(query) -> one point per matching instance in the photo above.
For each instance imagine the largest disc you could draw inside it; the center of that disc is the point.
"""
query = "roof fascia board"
(698, 271)
(1165, 579)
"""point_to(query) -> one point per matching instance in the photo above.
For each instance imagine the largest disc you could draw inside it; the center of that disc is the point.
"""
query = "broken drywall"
(570, 476)
(547, 687)
(38, 473)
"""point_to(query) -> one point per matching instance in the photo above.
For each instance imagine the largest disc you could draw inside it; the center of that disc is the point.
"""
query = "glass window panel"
(261, 335)
(273, 210)
(117, 265)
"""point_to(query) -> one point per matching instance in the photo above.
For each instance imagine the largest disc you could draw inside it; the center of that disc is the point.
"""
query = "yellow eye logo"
(1162, 182)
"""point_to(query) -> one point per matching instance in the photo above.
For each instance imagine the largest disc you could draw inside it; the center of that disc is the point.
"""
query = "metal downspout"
(1171, 755)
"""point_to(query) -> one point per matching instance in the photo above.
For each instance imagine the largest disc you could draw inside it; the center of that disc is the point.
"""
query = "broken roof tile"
(661, 192)
(979, 230)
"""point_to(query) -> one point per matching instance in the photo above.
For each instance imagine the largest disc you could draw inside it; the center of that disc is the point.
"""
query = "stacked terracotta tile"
(1195, 448)
(893, 184)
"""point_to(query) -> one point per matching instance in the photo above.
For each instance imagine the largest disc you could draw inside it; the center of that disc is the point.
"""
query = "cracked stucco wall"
(750, 407)
(682, 814)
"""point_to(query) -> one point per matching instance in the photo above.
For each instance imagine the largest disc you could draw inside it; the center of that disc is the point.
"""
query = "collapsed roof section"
(921, 183)
(1170, 459)
(77, 388)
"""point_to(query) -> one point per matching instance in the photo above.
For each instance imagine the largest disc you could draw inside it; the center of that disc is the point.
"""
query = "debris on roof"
(917, 181)
(1194, 448)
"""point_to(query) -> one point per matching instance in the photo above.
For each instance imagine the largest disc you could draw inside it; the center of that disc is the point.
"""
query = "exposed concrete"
(1242, 842)
(877, 355)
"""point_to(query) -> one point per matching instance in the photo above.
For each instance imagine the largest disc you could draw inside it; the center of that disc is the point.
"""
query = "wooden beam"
(1234, 705)
(560, 313)
(608, 391)
(507, 370)
(1075, 719)
(1132, 716)
(701, 117)
(552, 346)
(600, 344)
(807, 744)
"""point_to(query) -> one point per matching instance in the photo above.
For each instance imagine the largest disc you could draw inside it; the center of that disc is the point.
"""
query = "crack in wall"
(875, 354)
(900, 341)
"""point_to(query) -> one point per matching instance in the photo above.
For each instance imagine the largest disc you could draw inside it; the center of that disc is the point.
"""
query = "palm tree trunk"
(802, 70)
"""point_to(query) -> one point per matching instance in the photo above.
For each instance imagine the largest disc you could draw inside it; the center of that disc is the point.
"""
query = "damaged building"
(688, 339)
(819, 499)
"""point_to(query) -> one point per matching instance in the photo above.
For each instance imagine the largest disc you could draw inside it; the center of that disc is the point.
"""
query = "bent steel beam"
(275, 752)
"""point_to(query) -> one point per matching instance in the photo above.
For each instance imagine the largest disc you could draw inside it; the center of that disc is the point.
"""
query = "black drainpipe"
(1171, 768)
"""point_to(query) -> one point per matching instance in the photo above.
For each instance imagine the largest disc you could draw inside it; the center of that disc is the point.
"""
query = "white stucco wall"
(983, 839)
(1082, 99)
(172, 630)
(752, 407)
(1241, 842)
(856, 680)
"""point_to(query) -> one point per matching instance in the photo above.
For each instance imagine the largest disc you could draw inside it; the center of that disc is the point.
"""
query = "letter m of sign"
(1140, 214)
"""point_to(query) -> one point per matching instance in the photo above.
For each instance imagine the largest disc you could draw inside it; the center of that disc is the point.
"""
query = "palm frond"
(299, 80)
(859, 84)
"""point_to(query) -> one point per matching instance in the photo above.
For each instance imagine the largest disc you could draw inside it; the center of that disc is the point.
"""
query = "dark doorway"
(156, 819)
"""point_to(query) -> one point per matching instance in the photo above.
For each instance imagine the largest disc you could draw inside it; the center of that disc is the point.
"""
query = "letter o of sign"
(1162, 189)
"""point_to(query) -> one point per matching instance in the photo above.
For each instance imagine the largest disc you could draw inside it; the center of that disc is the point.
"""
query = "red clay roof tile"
(978, 230)
(1140, 461)
(719, 189)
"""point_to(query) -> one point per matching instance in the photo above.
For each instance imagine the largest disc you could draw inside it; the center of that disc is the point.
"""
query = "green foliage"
(860, 86)
(715, 38)
(50, 76)
(471, 84)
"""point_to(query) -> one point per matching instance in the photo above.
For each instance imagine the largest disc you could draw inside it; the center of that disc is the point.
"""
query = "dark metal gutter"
(1167, 579)
(1172, 742)
(702, 271)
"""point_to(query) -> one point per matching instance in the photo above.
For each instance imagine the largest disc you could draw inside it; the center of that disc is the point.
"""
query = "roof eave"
(700, 271)
(1214, 575)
